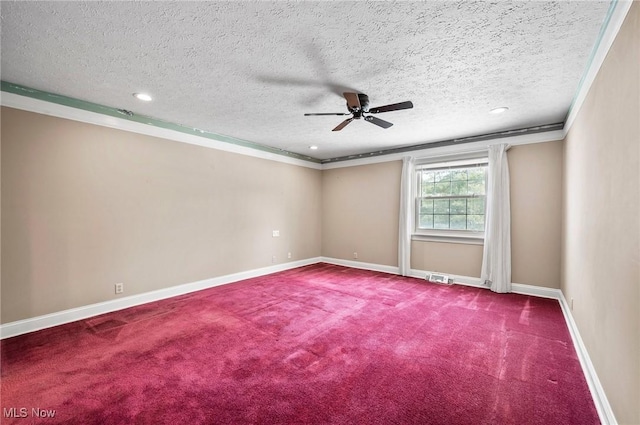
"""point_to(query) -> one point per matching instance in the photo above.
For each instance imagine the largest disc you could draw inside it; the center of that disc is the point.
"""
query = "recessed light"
(143, 96)
(499, 110)
(313, 147)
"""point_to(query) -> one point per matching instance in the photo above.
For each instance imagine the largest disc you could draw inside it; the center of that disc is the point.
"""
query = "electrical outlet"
(276, 233)
(289, 255)
(119, 288)
(355, 255)
(273, 258)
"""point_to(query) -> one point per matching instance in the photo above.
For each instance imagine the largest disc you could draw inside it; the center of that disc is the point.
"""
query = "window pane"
(475, 206)
(456, 212)
(443, 188)
(476, 187)
(441, 206)
(426, 183)
(459, 222)
(477, 173)
(426, 206)
(475, 222)
(443, 176)
(440, 221)
(427, 176)
(459, 187)
(426, 222)
(458, 206)
(427, 189)
(458, 175)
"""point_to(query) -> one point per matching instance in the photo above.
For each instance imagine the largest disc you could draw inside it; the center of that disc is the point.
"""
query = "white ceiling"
(250, 70)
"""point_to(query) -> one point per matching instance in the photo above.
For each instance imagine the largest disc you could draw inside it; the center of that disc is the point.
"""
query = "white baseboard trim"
(418, 274)
(457, 279)
(20, 327)
(360, 265)
(536, 291)
(605, 412)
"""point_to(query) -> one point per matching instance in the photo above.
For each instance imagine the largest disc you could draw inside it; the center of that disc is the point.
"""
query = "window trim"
(461, 236)
(445, 235)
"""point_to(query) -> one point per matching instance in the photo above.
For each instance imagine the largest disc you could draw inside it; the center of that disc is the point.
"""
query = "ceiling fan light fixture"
(499, 110)
(313, 147)
(143, 96)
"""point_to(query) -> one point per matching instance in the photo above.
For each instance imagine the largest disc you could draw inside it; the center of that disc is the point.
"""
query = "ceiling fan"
(358, 105)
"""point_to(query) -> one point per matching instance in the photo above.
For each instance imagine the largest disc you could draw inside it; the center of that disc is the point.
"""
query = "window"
(450, 198)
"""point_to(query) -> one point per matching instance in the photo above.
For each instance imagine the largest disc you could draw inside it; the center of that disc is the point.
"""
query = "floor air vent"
(439, 278)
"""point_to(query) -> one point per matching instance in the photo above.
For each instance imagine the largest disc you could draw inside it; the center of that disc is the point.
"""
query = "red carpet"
(320, 344)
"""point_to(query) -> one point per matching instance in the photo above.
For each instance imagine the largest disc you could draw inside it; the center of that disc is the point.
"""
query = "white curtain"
(496, 258)
(406, 216)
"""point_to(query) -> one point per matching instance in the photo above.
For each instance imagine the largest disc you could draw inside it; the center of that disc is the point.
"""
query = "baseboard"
(457, 279)
(361, 265)
(536, 291)
(20, 327)
(418, 274)
(605, 412)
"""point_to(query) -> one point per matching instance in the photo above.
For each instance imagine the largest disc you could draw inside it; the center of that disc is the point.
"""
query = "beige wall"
(360, 209)
(449, 258)
(535, 173)
(601, 236)
(84, 207)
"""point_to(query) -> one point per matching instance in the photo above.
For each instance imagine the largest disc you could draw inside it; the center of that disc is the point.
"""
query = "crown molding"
(616, 15)
(18, 97)
(453, 149)
(23, 98)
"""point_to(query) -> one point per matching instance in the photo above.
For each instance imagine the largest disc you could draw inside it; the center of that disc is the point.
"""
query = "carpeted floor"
(320, 344)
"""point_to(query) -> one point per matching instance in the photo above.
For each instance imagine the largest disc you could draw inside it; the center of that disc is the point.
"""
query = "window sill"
(450, 237)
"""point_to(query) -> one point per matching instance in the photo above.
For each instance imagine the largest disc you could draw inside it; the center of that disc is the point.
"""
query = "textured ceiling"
(251, 70)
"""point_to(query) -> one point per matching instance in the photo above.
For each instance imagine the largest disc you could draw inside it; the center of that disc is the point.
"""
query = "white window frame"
(445, 235)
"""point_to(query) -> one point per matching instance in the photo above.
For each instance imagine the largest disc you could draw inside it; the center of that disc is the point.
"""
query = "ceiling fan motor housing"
(364, 106)
(364, 102)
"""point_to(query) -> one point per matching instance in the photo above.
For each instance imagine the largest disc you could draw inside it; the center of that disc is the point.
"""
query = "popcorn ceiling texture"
(252, 69)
